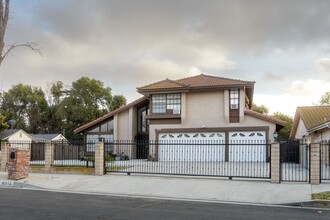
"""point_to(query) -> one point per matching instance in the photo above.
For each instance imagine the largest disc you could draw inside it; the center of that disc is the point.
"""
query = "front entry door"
(142, 146)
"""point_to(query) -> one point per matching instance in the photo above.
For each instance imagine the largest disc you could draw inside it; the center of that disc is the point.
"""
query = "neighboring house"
(197, 108)
(20, 139)
(16, 138)
(311, 123)
(48, 137)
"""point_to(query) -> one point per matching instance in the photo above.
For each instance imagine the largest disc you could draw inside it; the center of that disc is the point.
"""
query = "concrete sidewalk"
(173, 187)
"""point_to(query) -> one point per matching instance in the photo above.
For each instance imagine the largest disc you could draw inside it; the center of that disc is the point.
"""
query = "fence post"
(314, 164)
(99, 159)
(49, 156)
(4, 155)
(275, 163)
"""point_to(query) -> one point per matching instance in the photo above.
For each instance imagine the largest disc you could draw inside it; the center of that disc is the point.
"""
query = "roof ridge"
(109, 114)
(215, 76)
(164, 80)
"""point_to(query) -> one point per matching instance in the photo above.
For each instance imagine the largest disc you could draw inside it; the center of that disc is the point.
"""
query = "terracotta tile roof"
(312, 117)
(164, 84)
(203, 80)
(199, 81)
(265, 117)
(108, 115)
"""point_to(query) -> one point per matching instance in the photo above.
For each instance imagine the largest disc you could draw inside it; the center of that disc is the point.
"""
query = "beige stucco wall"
(19, 136)
(125, 124)
(326, 134)
(125, 130)
(204, 109)
(320, 135)
(301, 130)
(20, 140)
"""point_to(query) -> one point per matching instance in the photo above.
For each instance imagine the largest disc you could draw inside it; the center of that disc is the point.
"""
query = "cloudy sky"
(282, 45)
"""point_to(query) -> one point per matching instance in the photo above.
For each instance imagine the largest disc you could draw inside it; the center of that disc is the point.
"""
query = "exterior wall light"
(275, 135)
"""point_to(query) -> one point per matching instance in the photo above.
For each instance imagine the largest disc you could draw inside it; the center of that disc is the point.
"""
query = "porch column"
(4, 155)
(315, 164)
(275, 163)
(99, 159)
(49, 156)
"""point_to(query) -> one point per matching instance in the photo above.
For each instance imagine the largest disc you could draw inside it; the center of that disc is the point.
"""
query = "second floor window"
(234, 98)
(166, 103)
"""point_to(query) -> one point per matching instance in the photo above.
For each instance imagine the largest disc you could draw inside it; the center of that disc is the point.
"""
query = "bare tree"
(7, 49)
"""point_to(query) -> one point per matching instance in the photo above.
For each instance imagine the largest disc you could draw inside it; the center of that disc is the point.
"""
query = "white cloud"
(210, 59)
(300, 93)
(323, 64)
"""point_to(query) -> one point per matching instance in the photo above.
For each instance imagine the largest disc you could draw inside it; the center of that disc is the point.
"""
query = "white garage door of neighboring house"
(199, 146)
(247, 146)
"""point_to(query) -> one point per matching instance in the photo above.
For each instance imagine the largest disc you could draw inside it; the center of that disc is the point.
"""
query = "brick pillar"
(18, 163)
(49, 156)
(314, 164)
(99, 159)
(275, 163)
(4, 155)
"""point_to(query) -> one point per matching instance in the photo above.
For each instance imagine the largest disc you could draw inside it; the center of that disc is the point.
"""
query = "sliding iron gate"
(194, 158)
(294, 161)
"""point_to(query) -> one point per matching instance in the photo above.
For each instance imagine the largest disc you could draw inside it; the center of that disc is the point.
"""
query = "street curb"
(325, 204)
(16, 184)
(297, 205)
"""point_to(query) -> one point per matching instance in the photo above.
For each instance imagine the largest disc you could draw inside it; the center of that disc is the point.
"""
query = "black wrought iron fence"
(197, 158)
(294, 161)
(74, 153)
(325, 160)
(37, 151)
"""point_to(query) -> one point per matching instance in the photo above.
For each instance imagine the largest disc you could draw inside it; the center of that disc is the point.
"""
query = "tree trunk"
(4, 12)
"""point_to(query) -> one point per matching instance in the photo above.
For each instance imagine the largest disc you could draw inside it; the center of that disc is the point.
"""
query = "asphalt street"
(35, 204)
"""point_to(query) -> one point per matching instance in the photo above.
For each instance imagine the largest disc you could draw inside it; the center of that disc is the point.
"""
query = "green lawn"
(321, 196)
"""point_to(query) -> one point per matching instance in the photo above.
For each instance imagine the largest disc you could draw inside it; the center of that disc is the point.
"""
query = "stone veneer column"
(49, 156)
(275, 163)
(99, 159)
(4, 155)
(314, 164)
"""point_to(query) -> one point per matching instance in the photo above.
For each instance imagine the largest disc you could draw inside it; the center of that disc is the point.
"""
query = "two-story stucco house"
(196, 108)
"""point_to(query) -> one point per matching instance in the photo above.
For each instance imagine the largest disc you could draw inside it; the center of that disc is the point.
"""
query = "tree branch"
(32, 46)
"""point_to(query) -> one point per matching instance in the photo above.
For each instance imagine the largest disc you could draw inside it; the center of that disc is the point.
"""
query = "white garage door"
(247, 146)
(206, 146)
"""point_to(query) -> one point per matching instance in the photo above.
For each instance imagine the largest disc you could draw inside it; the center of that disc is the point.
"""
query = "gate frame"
(303, 160)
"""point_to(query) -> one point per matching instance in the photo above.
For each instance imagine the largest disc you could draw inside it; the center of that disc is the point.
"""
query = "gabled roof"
(109, 115)
(280, 123)
(5, 134)
(45, 137)
(164, 84)
(194, 82)
(313, 117)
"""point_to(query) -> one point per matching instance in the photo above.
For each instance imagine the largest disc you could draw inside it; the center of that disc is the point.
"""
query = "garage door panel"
(247, 146)
(206, 146)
